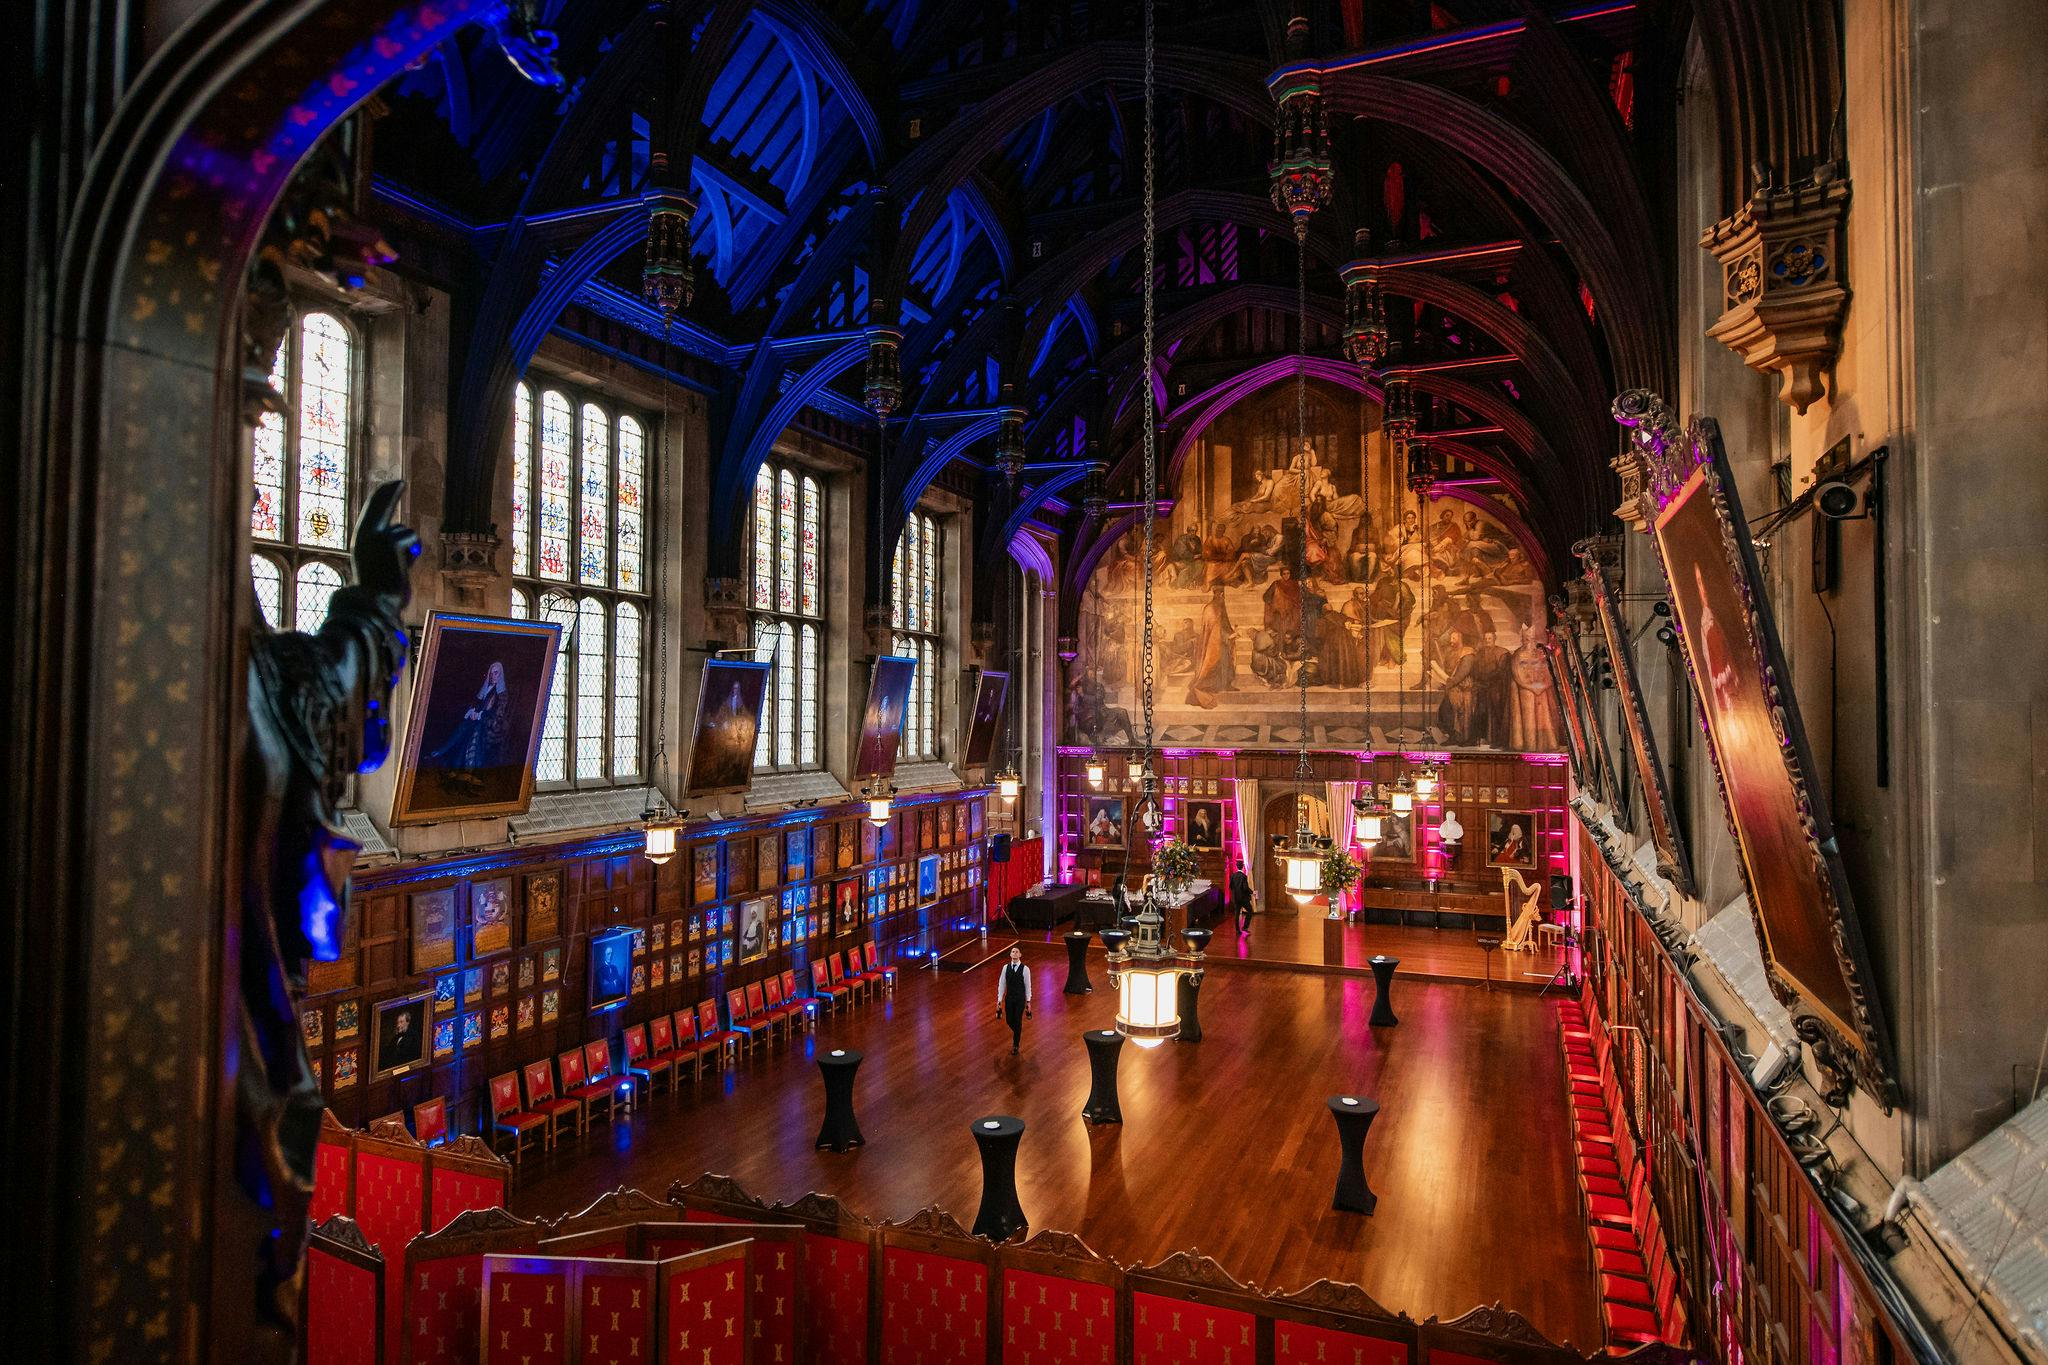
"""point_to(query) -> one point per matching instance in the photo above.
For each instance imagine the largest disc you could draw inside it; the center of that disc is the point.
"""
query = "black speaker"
(1560, 891)
(999, 848)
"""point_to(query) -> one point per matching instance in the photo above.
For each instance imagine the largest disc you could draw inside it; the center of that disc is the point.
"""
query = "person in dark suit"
(1241, 899)
(1013, 997)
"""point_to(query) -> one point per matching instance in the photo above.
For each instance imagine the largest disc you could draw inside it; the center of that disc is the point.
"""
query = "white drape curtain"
(1245, 790)
(1343, 823)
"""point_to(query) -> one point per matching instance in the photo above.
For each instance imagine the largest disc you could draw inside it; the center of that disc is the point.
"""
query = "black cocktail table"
(1077, 964)
(1382, 984)
(1354, 1115)
(840, 1129)
(1187, 991)
(1000, 1217)
(1105, 1045)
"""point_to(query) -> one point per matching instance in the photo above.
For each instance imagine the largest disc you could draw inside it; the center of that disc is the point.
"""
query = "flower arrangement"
(1340, 873)
(1175, 865)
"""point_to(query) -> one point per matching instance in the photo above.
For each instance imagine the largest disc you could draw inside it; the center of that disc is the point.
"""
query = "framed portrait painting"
(1641, 739)
(479, 701)
(1202, 824)
(1397, 838)
(753, 940)
(728, 722)
(398, 1035)
(881, 721)
(991, 690)
(1103, 823)
(928, 877)
(1511, 838)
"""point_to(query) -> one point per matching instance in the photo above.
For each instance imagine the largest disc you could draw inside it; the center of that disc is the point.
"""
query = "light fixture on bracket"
(1009, 783)
(877, 794)
(1097, 770)
(1372, 818)
(1428, 778)
(661, 824)
(1403, 798)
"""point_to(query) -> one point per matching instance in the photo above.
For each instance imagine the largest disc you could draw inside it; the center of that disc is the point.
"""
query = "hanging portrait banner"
(1812, 942)
(881, 721)
(990, 691)
(479, 705)
(728, 724)
(1642, 740)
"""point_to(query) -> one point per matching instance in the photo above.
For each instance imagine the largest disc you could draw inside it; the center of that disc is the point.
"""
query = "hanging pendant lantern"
(1365, 319)
(1427, 779)
(1009, 784)
(882, 386)
(1371, 821)
(668, 282)
(1302, 861)
(1301, 169)
(1403, 799)
(660, 825)
(1095, 495)
(1010, 446)
(1097, 770)
(877, 794)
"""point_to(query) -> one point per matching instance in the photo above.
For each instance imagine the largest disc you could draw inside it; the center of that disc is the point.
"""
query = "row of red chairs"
(659, 1050)
(1639, 1300)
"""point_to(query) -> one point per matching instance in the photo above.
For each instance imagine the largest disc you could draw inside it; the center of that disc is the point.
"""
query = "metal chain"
(1301, 768)
(661, 568)
(1151, 433)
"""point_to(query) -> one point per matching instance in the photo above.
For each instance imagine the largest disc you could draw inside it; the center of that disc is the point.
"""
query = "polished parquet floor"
(1226, 1145)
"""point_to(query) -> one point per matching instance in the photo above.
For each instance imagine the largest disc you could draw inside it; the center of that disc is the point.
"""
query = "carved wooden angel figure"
(319, 710)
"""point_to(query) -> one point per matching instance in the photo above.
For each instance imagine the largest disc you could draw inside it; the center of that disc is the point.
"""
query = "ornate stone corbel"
(881, 628)
(469, 565)
(725, 613)
(981, 637)
(1783, 295)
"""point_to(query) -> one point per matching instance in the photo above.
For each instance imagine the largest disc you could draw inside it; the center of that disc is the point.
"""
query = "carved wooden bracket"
(1782, 287)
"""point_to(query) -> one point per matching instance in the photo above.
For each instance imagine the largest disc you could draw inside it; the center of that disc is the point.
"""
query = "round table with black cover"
(1105, 1045)
(1187, 992)
(1000, 1216)
(1077, 963)
(840, 1129)
(1382, 987)
(1354, 1115)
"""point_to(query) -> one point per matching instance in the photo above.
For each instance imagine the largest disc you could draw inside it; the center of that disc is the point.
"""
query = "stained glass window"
(317, 580)
(269, 580)
(300, 465)
(585, 521)
(786, 591)
(915, 610)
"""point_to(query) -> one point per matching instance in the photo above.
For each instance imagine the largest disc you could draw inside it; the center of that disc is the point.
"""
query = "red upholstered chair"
(430, 1121)
(759, 1015)
(689, 1050)
(599, 1084)
(576, 1086)
(712, 1034)
(868, 977)
(736, 1018)
(661, 1043)
(823, 989)
(344, 1296)
(793, 999)
(507, 1118)
(541, 1098)
(780, 1013)
(871, 960)
(642, 1063)
(835, 971)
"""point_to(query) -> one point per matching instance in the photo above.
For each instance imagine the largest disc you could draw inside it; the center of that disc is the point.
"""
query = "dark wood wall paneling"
(504, 990)
(1767, 1267)
(1474, 785)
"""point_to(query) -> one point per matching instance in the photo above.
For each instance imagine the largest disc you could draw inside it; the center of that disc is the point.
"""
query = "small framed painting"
(444, 1038)
(657, 936)
(550, 1004)
(347, 1020)
(768, 862)
(1511, 838)
(433, 930)
(704, 874)
(551, 965)
(739, 868)
(473, 986)
(657, 973)
(400, 1035)
(472, 1031)
(309, 1024)
(501, 978)
(525, 1018)
(490, 916)
(1202, 825)
(824, 844)
(1104, 825)
(526, 973)
(345, 1069)
(543, 906)
(447, 990)
(501, 1021)
(796, 855)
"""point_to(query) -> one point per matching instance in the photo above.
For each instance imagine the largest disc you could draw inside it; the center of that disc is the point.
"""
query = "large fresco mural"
(1430, 603)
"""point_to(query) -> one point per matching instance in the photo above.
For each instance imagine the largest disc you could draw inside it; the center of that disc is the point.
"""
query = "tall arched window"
(916, 613)
(785, 593)
(302, 466)
(579, 494)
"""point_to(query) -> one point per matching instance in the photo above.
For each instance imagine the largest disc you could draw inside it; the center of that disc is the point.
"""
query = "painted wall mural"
(1433, 603)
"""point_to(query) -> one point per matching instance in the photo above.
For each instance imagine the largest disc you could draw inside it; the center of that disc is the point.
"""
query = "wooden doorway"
(1278, 821)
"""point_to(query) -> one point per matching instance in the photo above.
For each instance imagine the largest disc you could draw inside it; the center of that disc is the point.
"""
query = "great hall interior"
(928, 682)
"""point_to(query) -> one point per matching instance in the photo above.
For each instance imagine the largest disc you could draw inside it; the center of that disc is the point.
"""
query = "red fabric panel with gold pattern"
(1297, 1343)
(617, 1314)
(456, 1192)
(526, 1310)
(331, 1162)
(704, 1303)
(390, 1207)
(1050, 1318)
(1176, 1332)
(835, 1303)
(934, 1309)
(772, 1252)
(444, 1302)
(342, 1308)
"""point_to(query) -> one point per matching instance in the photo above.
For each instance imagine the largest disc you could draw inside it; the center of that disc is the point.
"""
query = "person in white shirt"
(1013, 997)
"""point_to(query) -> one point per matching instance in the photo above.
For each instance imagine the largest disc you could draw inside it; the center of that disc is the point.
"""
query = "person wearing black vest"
(1013, 997)
(1241, 899)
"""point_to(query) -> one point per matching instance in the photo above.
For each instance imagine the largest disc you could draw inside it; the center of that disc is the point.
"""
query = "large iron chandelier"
(1145, 972)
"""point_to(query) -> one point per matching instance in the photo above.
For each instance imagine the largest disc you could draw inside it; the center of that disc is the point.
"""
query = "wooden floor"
(1226, 1145)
